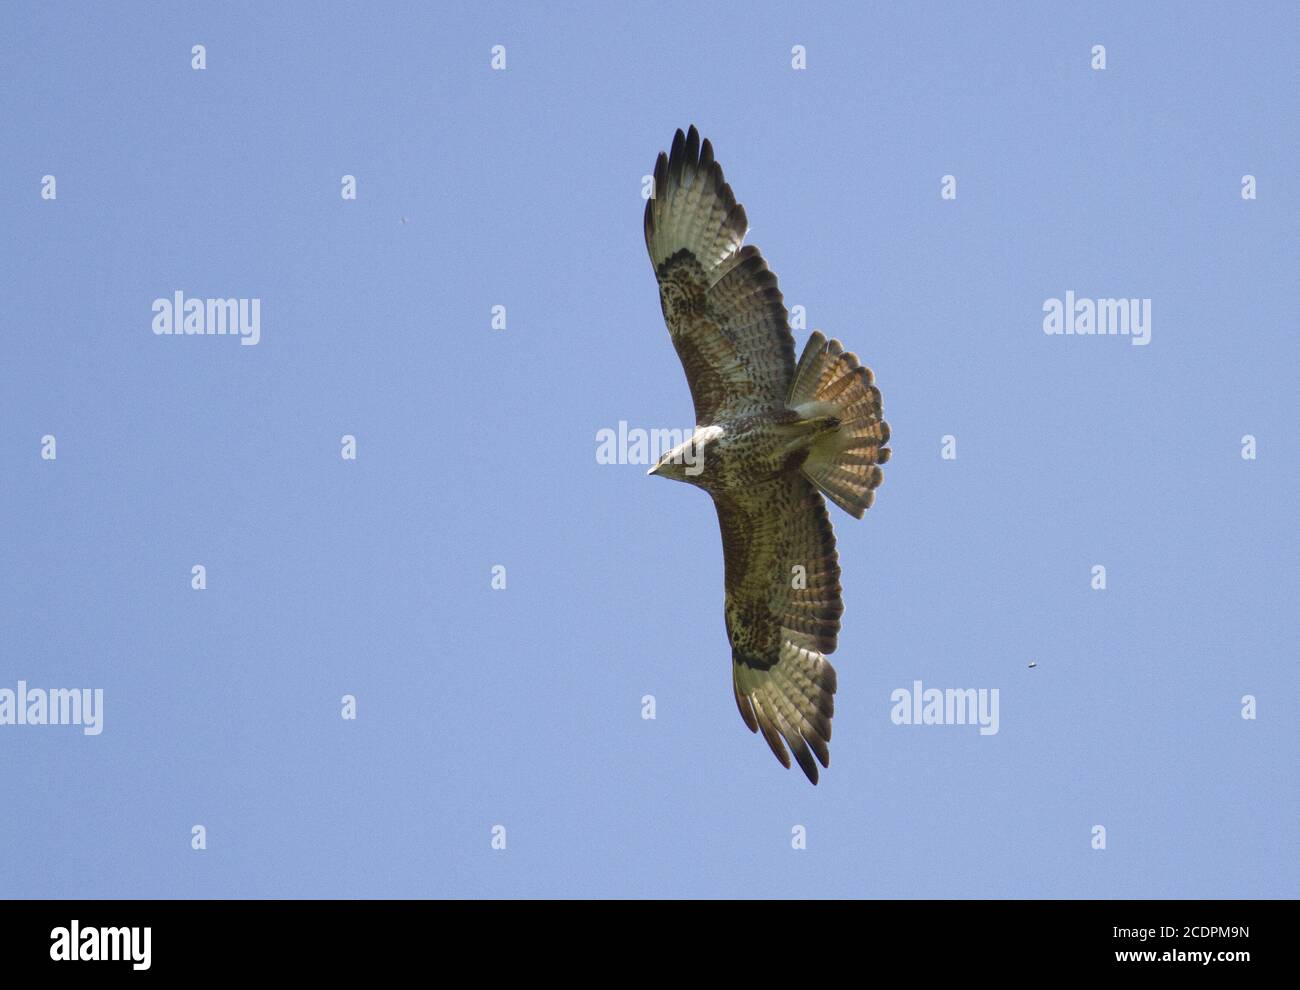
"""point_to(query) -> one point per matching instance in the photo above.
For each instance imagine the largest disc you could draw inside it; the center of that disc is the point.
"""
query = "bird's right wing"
(783, 614)
(724, 311)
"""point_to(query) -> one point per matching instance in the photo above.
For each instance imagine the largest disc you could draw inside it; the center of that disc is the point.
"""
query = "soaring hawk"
(771, 437)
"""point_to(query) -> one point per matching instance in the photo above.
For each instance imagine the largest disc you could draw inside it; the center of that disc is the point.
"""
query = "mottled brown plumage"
(769, 434)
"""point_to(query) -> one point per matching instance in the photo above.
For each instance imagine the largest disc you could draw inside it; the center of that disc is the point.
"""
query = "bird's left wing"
(724, 311)
(783, 614)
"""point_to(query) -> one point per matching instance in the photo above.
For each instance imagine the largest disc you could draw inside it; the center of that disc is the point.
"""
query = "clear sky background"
(522, 707)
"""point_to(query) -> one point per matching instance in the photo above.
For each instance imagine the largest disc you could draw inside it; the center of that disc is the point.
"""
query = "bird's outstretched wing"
(783, 614)
(721, 302)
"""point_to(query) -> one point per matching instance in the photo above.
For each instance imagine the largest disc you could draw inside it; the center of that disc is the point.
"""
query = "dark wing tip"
(736, 218)
(677, 158)
(743, 703)
(774, 742)
(806, 762)
(819, 747)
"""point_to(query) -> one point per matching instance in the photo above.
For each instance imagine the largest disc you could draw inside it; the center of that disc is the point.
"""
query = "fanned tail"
(844, 462)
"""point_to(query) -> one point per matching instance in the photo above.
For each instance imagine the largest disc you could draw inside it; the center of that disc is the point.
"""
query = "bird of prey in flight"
(771, 437)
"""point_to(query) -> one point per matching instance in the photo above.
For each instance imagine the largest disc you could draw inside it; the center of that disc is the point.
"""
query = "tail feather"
(843, 462)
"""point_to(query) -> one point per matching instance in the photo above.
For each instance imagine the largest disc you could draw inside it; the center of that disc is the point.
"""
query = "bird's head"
(685, 462)
(668, 468)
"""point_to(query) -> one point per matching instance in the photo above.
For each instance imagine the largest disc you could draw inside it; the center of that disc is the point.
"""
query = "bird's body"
(746, 451)
(770, 437)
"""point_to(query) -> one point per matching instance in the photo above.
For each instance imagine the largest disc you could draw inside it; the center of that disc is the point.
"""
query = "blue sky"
(476, 447)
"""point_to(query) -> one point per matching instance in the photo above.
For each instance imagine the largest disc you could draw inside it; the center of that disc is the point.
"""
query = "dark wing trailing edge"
(783, 614)
(721, 302)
